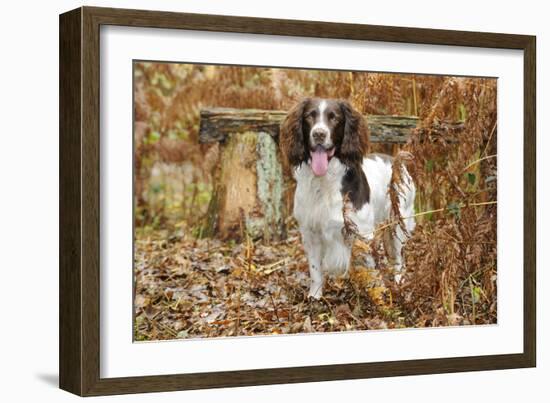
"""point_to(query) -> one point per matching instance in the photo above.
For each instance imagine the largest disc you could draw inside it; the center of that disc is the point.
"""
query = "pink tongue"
(319, 161)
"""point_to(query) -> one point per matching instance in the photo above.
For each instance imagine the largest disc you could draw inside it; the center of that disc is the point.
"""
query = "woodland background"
(189, 286)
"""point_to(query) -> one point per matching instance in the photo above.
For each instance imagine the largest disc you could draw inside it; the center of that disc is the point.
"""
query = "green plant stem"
(478, 161)
(435, 211)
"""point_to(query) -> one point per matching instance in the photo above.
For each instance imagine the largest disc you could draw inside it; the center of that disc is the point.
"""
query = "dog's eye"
(331, 116)
(313, 114)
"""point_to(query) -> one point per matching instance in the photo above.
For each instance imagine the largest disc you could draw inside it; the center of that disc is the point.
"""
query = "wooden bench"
(251, 194)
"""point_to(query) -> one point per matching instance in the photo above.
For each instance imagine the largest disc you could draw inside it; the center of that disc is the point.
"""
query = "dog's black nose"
(319, 136)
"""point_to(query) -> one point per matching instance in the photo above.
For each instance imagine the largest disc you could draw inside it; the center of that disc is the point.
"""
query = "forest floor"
(188, 288)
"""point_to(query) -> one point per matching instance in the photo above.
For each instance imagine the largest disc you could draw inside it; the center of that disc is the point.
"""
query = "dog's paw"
(398, 274)
(398, 278)
(315, 294)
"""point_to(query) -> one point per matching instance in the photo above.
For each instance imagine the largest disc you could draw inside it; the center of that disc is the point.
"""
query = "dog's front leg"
(394, 239)
(313, 247)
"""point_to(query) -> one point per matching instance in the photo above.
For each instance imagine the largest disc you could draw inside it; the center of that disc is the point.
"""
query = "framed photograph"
(249, 201)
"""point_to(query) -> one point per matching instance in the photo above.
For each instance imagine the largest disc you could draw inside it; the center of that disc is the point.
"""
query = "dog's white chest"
(318, 200)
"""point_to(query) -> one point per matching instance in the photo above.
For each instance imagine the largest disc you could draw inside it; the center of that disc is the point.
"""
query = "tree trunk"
(248, 190)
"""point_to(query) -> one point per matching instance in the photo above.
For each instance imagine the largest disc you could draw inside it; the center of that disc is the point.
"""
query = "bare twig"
(274, 307)
(489, 139)
(238, 321)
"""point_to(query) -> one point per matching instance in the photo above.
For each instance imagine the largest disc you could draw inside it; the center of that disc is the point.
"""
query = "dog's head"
(317, 130)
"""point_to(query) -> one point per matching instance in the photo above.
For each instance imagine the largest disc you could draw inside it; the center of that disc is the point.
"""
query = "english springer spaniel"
(325, 142)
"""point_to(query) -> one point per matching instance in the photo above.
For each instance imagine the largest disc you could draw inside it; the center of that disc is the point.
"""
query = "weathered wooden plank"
(217, 123)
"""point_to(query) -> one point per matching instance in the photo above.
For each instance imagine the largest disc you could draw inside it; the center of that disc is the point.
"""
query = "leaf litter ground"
(189, 288)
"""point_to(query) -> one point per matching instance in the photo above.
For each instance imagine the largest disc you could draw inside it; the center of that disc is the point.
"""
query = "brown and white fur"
(325, 144)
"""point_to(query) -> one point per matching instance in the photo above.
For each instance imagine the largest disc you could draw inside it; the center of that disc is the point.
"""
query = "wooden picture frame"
(79, 317)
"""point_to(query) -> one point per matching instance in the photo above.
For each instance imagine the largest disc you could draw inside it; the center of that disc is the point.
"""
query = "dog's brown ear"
(355, 143)
(291, 137)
